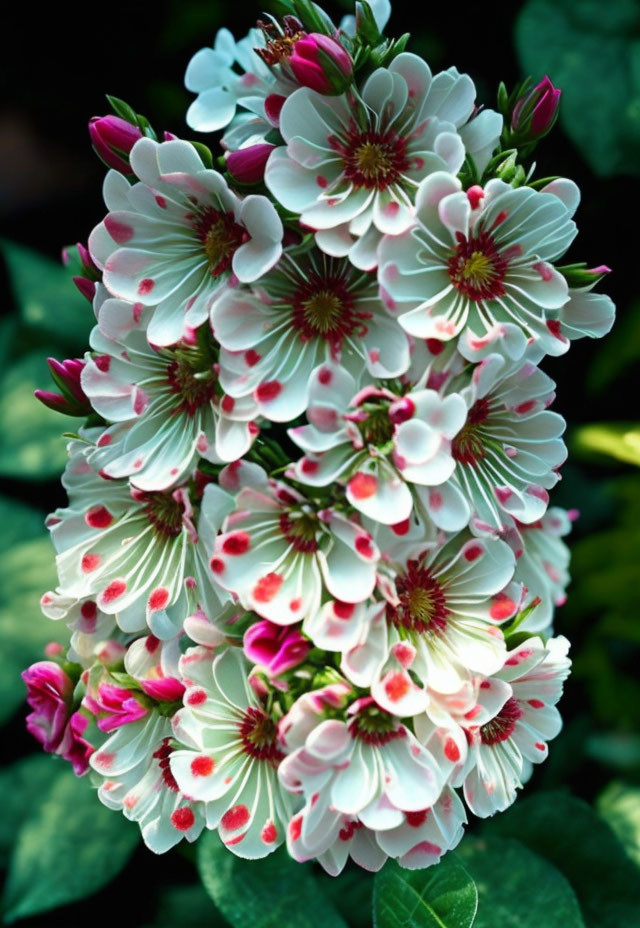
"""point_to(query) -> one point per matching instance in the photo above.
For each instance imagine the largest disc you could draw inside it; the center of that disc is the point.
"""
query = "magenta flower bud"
(247, 164)
(321, 63)
(74, 747)
(113, 138)
(66, 375)
(274, 647)
(536, 111)
(114, 706)
(164, 689)
(50, 694)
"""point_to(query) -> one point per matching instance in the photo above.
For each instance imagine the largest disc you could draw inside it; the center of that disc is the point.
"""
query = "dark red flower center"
(323, 307)
(476, 268)
(300, 530)
(220, 235)
(259, 736)
(501, 727)
(468, 447)
(164, 512)
(375, 726)
(423, 605)
(373, 160)
(195, 387)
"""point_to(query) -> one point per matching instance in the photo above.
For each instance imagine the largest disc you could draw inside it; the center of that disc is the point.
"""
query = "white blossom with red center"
(233, 75)
(232, 754)
(177, 239)
(509, 450)
(166, 407)
(278, 552)
(309, 310)
(136, 779)
(443, 607)
(378, 443)
(542, 563)
(142, 556)
(482, 257)
(352, 164)
(370, 767)
(503, 749)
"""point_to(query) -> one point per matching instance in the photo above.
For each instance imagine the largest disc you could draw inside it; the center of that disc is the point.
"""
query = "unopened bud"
(247, 164)
(113, 138)
(321, 63)
(536, 111)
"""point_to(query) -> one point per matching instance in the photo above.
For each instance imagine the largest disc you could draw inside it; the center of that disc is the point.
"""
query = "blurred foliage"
(551, 859)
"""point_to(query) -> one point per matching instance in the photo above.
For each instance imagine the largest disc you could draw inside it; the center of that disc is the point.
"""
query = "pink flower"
(275, 647)
(49, 693)
(321, 63)
(164, 689)
(536, 111)
(74, 747)
(247, 164)
(113, 138)
(119, 705)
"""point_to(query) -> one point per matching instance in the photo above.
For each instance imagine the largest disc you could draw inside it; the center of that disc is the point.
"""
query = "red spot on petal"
(295, 827)
(252, 357)
(540, 746)
(503, 494)
(237, 543)
(162, 203)
(114, 591)
(158, 599)
(415, 819)
(401, 528)
(104, 439)
(474, 195)
(451, 750)
(269, 833)
(183, 819)
(325, 376)
(364, 546)
(473, 552)
(227, 404)
(88, 610)
(268, 391)
(98, 517)
(363, 486)
(90, 562)
(343, 610)
(544, 270)
(435, 500)
(503, 607)
(120, 232)
(267, 587)
(434, 345)
(235, 817)
(322, 181)
(146, 285)
(307, 466)
(202, 766)
(525, 407)
(536, 703)
(396, 686)
(196, 697)
(217, 565)
(295, 604)
(105, 759)
(151, 644)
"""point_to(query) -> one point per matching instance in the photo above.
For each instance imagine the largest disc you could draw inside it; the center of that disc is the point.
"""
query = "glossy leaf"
(443, 896)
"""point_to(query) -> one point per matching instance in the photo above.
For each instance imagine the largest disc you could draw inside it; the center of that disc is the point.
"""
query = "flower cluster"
(307, 559)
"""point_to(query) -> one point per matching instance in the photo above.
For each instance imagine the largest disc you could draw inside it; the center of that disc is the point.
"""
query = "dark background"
(58, 66)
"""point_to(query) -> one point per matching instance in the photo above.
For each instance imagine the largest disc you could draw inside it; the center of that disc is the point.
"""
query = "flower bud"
(321, 63)
(71, 401)
(113, 138)
(274, 647)
(247, 164)
(73, 747)
(536, 111)
(86, 281)
(49, 693)
(114, 706)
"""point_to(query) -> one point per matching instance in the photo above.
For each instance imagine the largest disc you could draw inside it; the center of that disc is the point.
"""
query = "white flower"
(443, 608)
(503, 749)
(231, 762)
(482, 257)
(277, 553)
(352, 163)
(136, 778)
(425, 836)
(173, 240)
(310, 309)
(371, 767)
(143, 556)
(259, 91)
(542, 564)
(167, 407)
(90, 626)
(356, 438)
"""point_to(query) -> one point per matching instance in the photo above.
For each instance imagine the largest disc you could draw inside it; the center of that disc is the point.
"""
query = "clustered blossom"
(308, 562)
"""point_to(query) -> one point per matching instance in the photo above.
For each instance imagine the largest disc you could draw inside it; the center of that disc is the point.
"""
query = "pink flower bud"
(49, 693)
(74, 747)
(536, 111)
(71, 400)
(114, 706)
(164, 689)
(113, 138)
(247, 164)
(321, 63)
(275, 648)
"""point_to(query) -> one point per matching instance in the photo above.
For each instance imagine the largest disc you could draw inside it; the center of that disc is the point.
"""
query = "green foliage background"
(568, 853)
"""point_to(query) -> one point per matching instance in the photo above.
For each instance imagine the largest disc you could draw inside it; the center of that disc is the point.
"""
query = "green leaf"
(594, 57)
(351, 893)
(265, 893)
(47, 298)
(619, 805)
(69, 848)
(510, 896)
(27, 569)
(188, 907)
(443, 896)
(569, 834)
(32, 446)
(25, 782)
(618, 440)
